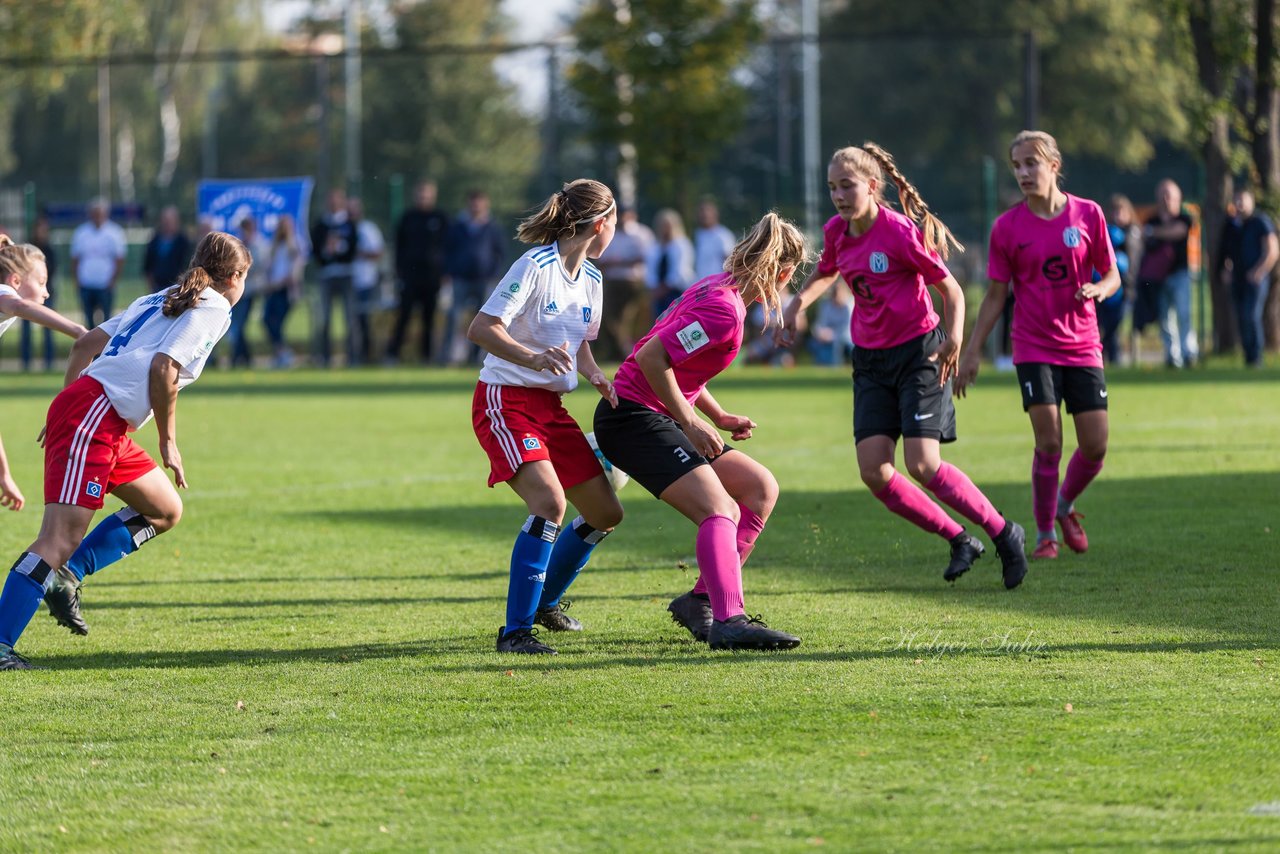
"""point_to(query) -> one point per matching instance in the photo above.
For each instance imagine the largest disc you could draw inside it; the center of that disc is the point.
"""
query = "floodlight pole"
(812, 121)
(355, 178)
(104, 130)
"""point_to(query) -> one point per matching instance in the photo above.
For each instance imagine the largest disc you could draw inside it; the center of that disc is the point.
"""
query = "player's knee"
(1094, 452)
(605, 518)
(876, 477)
(549, 507)
(1049, 446)
(168, 517)
(763, 496)
(922, 471)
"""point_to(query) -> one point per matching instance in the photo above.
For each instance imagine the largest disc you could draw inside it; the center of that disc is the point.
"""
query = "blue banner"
(227, 202)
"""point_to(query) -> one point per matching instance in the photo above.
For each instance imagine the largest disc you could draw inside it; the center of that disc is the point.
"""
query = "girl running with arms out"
(23, 289)
(904, 357)
(656, 436)
(1046, 248)
(537, 327)
(144, 356)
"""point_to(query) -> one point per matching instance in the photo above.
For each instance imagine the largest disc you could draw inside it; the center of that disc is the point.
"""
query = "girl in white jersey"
(158, 345)
(24, 278)
(537, 327)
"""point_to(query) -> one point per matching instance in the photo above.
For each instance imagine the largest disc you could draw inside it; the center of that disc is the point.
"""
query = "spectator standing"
(40, 240)
(831, 335)
(477, 253)
(1126, 240)
(366, 275)
(167, 253)
(284, 286)
(421, 243)
(712, 242)
(1166, 276)
(1249, 253)
(333, 245)
(670, 262)
(255, 282)
(624, 264)
(97, 256)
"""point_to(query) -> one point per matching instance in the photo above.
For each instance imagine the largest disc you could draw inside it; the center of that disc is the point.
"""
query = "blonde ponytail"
(580, 202)
(758, 260)
(219, 256)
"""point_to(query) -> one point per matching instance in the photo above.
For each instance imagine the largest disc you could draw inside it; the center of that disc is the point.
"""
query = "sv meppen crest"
(879, 262)
(1071, 236)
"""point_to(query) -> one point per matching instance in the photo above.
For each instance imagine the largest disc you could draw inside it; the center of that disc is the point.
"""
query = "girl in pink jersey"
(1046, 248)
(537, 327)
(904, 358)
(23, 289)
(118, 376)
(655, 435)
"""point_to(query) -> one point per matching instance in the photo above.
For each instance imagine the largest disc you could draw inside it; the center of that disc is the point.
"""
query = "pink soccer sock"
(1044, 490)
(911, 503)
(955, 490)
(719, 567)
(1080, 473)
(749, 527)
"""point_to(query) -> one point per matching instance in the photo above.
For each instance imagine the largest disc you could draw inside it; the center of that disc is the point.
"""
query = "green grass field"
(307, 661)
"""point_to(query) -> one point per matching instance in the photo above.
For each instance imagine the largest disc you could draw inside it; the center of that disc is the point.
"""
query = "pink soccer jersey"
(702, 333)
(1045, 261)
(888, 269)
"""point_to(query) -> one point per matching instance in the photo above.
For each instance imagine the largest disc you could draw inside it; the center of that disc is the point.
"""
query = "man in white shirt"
(712, 242)
(366, 275)
(626, 300)
(97, 256)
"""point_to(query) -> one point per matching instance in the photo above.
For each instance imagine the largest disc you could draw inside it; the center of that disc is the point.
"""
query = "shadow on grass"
(601, 654)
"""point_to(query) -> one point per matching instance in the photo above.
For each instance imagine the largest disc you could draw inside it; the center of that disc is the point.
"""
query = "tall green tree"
(440, 110)
(658, 78)
(943, 86)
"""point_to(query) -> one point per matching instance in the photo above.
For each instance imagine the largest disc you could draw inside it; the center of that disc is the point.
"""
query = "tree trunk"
(1265, 128)
(1216, 149)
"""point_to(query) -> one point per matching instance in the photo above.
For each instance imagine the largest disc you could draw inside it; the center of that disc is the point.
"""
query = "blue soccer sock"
(528, 571)
(23, 590)
(115, 537)
(568, 557)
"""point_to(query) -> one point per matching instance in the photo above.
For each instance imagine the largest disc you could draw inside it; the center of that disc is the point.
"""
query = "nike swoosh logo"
(1103, 392)
(920, 417)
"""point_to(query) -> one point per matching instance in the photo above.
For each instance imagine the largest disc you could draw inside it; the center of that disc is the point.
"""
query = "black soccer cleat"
(523, 641)
(554, 619)
(741, 632)
(965, 549)
(10, 660)
(694, 613)
(1011, 545)
(63, 599)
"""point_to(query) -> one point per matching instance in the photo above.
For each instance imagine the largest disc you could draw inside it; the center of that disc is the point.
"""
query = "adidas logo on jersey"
(551, 308)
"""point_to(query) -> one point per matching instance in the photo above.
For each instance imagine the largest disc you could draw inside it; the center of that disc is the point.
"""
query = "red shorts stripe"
(517, 425)
(87, 449)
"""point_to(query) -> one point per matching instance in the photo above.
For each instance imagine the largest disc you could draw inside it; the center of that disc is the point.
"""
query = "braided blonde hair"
(871, 161)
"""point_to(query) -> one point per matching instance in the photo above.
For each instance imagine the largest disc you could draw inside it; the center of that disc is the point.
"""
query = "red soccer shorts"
(517, 425)
(87, 450)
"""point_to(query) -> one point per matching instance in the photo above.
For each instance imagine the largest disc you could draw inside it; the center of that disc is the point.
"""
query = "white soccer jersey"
(140, 332)
(542, 307)
(7, 320)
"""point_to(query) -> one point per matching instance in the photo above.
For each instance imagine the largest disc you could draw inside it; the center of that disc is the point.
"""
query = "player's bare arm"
(163, 384)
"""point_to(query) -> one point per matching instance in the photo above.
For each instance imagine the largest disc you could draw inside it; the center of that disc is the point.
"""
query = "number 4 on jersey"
(122, 338)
